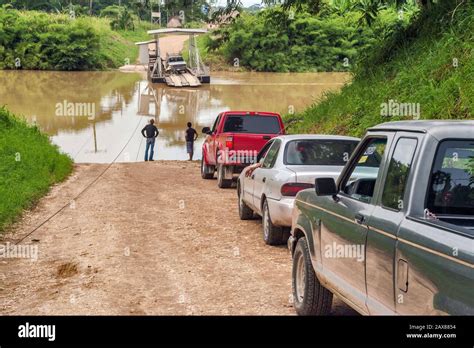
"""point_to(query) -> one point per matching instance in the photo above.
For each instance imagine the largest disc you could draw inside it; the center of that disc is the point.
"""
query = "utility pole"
(90, 7)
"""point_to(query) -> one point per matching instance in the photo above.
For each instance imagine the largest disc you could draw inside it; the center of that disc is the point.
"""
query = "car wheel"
(221, 181)
(309, 296)
(245, 213)
(207, 172)
(272, 235)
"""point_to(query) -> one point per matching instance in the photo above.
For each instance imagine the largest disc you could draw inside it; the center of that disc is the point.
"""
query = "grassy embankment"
(29, 165)
(430, 63)
(42, 41)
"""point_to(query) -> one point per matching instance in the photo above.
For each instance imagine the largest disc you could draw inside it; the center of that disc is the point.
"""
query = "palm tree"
(369, 10)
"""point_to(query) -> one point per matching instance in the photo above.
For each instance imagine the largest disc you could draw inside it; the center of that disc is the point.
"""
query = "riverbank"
(29, 165)
(426, 72)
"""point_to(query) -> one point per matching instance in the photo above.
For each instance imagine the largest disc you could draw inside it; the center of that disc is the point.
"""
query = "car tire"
(207, 172)
(286, 234)
(221, 182)
(245, 213)
(309, 296)
(272, 235)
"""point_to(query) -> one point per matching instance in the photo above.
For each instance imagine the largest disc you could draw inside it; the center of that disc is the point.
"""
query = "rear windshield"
(319, 152)
(451, 189)
(252, 124)
(176, 59)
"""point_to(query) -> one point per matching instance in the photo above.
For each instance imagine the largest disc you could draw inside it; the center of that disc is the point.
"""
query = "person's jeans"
(150, 144)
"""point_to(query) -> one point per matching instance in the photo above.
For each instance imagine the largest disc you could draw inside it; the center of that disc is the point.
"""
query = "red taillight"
(229, 142)
(292, 189)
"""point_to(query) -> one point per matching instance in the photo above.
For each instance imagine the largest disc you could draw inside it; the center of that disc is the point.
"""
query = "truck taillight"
(291, 189)
(229, 142)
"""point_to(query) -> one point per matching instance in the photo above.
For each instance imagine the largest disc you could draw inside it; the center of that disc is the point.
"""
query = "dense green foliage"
(431, 63)
(37, 40)
(120, 17)
(187, 9)
(29, 165)
(278, 40)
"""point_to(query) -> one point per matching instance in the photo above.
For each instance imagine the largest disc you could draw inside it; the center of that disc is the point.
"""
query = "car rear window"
(319, 152)
(252, 124)
(451, 189)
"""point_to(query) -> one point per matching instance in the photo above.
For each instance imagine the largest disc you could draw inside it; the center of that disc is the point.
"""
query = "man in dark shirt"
(150, 132)
(191, 136)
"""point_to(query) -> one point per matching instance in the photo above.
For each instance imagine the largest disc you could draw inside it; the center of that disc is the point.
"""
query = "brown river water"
(93, 116)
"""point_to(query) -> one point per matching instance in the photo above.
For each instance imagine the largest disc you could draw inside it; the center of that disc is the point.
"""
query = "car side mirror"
(206, 130)
(325, 187)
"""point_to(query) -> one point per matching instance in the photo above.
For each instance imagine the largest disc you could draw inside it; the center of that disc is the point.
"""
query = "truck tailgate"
(249, 141)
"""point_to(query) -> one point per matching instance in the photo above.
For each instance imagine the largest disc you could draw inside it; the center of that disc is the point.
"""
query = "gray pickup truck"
(398, 240)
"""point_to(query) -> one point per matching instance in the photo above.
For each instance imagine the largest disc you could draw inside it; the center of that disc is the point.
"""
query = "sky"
(248, 3)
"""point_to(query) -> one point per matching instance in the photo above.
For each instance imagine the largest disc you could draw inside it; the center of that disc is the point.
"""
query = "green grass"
(119, 46)
(29, 165)
(416, 66)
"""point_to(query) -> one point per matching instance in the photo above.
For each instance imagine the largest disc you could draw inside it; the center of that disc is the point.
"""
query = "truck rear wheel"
(272, 235)
(309, 296)
(222, 182)
(207, 172)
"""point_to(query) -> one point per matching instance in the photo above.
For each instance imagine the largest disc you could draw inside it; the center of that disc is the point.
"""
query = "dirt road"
(172, 44)
(146, 238)
(168, 44)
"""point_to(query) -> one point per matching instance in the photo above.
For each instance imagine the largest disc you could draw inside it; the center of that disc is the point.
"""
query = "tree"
(121, 17)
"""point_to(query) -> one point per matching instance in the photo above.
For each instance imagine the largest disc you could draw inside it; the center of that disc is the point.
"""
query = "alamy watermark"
(13, 251)
(28, 330)
(236, 156)
(67, 108)
(393, 108)
(348, 251)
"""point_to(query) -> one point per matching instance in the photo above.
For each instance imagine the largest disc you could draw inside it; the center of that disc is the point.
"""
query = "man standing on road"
(150, 132)
(191, 136)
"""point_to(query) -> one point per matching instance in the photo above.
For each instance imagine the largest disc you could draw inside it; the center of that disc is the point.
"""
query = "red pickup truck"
(234, 142)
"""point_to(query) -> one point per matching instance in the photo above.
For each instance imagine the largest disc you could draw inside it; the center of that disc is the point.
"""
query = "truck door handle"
(264, 179)
(359, 218)
(266, 137)
(402, 275)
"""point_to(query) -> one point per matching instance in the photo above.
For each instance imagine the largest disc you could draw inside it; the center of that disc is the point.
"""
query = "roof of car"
(315, 137)
(251, 113)
(437, 128)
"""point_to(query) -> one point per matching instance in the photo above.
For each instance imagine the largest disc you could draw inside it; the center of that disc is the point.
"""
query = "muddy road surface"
(146, 239)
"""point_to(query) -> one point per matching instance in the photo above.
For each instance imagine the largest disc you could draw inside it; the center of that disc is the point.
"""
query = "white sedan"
(286, 165)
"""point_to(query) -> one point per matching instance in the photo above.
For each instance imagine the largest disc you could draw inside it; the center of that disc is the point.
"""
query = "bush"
(120, 17)
(40, 41)
(279, 41)
(29, 165)
(35, 40)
